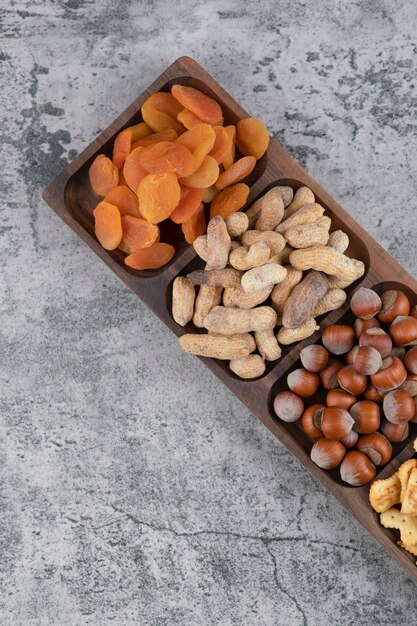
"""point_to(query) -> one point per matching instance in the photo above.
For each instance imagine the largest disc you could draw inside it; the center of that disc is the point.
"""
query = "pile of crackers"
(400, 488)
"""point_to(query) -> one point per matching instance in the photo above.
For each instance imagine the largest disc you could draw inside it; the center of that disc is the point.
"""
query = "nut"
(362, 325)
(350, 380)
(183, 296)
(207, 299)
(367, 416)
(350, 440)
(231, 321)
(238, 297)
(302, 196)
(395, 432)
(394, 303)
(287, 336)
(218, 243)
(365, 303)
(338, 338)
(410, 384)
(242, 258)
(340, 398)
(376, 447)
(356, 469)
(367, 360)
(333, 299)
(227, 277)
(314, 358)
(399, 406)
(306, 235)
(303, 382)
(275, 241)
(218, 346)
(307, 421)
(237, 223)
(282, 290)
(307, 214)
(268, 345)
(329, 261)
(391, 375)
(328, 376)
(338, 240)
(288, 406)
(327, 454)
(303, 299)
(258, 278)
(378, 339)
(403, 330)
(272, 210)
(335, 423)
(372, 393)
(250, 366)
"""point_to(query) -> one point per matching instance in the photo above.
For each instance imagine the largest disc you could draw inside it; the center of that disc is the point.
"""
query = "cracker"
(391, 519)
(404, 472)
(410, 549)
(385, 493)
(409, 504)
(406, 524)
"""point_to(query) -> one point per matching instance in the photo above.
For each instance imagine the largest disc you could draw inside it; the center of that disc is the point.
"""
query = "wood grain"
(70, 196)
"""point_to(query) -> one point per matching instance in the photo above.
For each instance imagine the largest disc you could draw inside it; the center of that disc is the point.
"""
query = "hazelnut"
(378, 339)
(376, 447)
(410, 360)
(403, 330)
(350, 440)
(327, 454)
(395, 432)
(350, 380)
(356, 469)
(362, 325)
(413, 311)
(391, 374)
(340, 398)
(303, 382)
(365, 303)
(338, 338)
(314, 358)
(308, 423)
(372, 393)
(394, 303)
(328, 376)
(351, 355)
(410, 384)
(367, 416)
(399, 406)
(335, 423)
(288, 406)
(367, 360)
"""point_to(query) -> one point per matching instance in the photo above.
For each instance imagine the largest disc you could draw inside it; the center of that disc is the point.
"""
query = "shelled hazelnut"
(369, 389)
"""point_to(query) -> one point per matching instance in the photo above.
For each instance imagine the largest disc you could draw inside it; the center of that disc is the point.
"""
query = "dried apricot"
(195, 226)
(123, 142)
(198, 103)
(160, 112)
(108, 225)
(103, 175)
(137, 233)
(125, 200)
(189, 203)
(199, 140)
(133, 170)
(222, 144)
(158, 195)
(230, 156)
(252, 137)
(205, 176)
(166, 135)
(167, 156)
(209, 193)
(150, 258)
(236, 172)
(188, 119)
(229, 200)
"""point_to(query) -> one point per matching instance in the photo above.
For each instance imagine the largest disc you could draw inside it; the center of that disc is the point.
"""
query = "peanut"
(306, 235)
(207, 298)
(228, 277)
(303, 299)
(218, 243)
(250, 366)
(260, 277)
(302, 196)
(223, 347)
(200, 246)
(272, 210)
(327, 260)
(274, 240)
(324, 221)
(231, 321)
(183, 296)
(306, 215)
(243, 258)
(291, 335)
(236, 224)
(238, 297)
(267, 345)
(338, 240)
(281, 292)
(287, 194)
(284, 256)
(332, 299)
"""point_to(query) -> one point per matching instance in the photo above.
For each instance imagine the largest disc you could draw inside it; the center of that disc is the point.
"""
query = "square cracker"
(404, 472)
(385, 493)
(409, 503)
(406, 524)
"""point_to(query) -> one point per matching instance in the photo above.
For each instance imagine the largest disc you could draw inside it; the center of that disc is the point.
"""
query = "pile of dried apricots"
(166, 167)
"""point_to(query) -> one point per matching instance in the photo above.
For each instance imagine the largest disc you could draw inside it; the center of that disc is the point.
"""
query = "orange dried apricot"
(205, 176)
(123, 142)
(158, 195)
(189, 203)
(103, 175)
(236, 172)
(229, 200)
(195, 226)
(167, 156)
(230, 156)
(188, 119)
(160, 112)
(150, 258)
(108, 225)
(209, 193)
(252, 137)
(166, 135)
(125, 200)
(198, 103)
(222, 144)
(137, 233)
(199, 140)
(133, 170)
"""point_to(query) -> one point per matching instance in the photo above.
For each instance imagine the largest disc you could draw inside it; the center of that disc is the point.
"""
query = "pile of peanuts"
(279, 254)
(371, 397)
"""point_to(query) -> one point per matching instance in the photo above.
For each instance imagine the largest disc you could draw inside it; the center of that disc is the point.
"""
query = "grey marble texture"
(135, 490)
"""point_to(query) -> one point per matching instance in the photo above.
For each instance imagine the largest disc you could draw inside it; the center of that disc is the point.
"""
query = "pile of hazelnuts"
(371, 394)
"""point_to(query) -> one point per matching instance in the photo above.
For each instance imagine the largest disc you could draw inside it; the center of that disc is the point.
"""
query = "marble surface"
(134, 489)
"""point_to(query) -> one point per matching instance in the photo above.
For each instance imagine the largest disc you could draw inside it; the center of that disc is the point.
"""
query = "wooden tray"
(70, 196)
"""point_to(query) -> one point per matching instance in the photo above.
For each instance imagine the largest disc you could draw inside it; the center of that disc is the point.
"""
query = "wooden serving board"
(71, 197)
